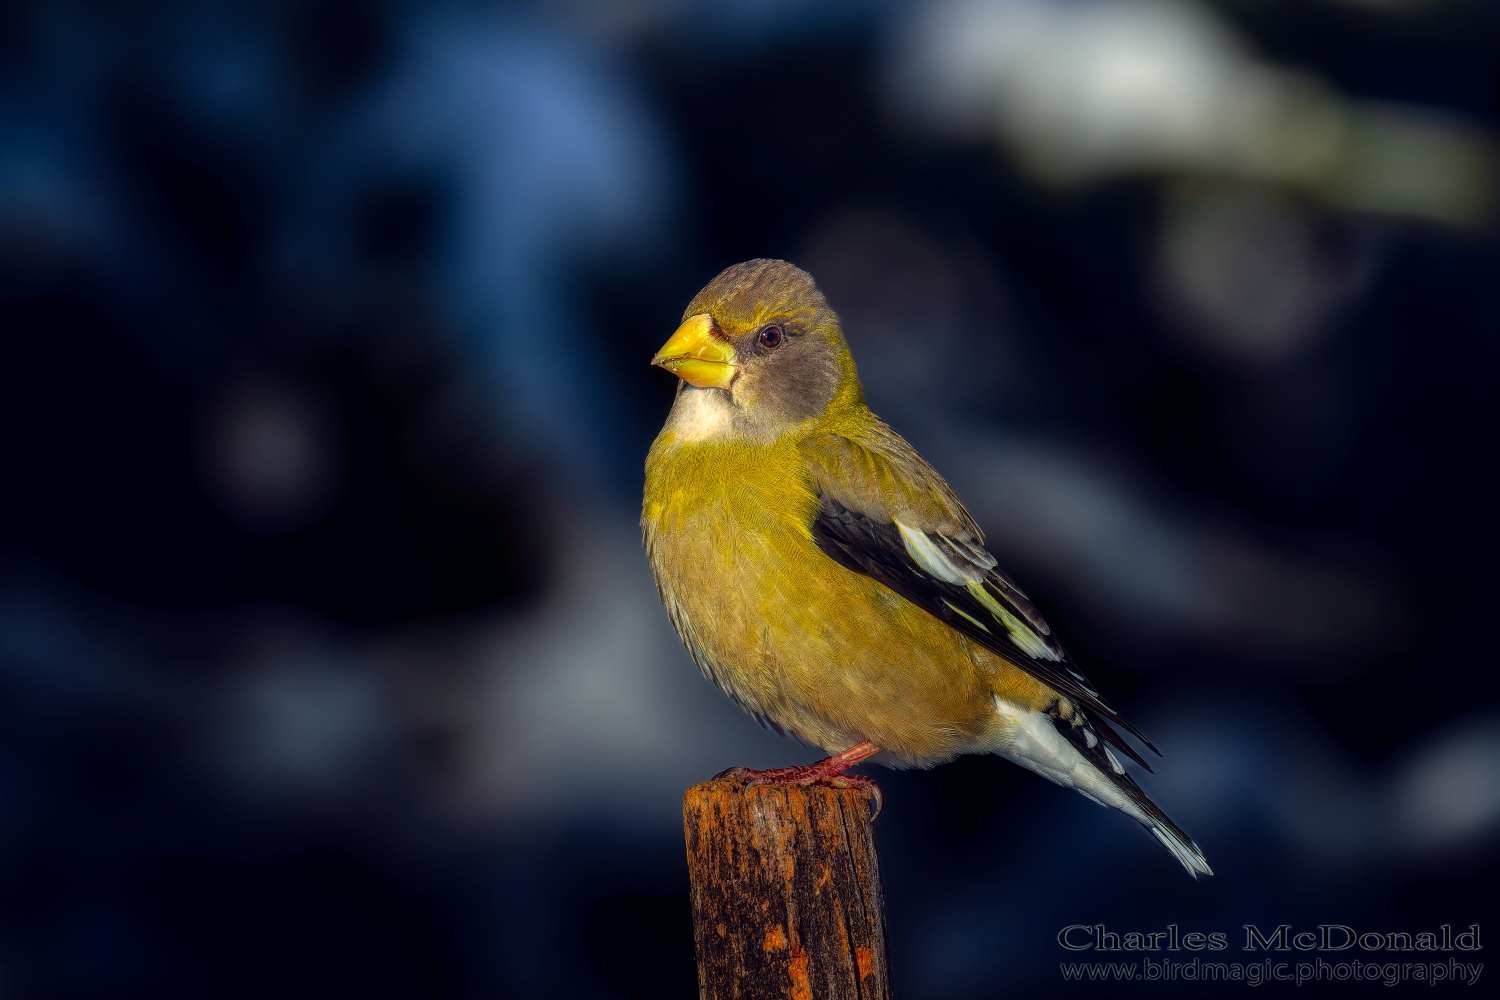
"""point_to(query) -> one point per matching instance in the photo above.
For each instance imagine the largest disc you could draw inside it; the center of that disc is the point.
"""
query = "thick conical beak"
(698, 354)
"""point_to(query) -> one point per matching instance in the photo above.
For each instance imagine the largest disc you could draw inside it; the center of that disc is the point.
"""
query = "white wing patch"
(965, 566)
(925, 553)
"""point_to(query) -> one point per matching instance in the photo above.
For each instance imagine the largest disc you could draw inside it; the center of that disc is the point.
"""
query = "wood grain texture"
(786, 892)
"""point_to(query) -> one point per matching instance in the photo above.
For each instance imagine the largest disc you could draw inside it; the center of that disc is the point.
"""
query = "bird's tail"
(1071, 753)
(1170, 834)
(1130, 799)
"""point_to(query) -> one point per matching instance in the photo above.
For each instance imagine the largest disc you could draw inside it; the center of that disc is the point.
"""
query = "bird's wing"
(884, 512)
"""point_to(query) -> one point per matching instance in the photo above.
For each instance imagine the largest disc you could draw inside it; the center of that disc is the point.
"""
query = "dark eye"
(771, 337)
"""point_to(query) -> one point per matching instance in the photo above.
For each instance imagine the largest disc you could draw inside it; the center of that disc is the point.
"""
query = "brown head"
(761, 341)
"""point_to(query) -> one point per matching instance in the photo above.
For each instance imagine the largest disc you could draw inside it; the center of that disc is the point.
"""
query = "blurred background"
(330, 663)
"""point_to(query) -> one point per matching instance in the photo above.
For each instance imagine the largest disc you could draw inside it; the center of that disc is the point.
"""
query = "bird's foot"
(829, 771)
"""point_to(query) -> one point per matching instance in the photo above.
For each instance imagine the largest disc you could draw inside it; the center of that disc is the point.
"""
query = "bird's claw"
(864, 784)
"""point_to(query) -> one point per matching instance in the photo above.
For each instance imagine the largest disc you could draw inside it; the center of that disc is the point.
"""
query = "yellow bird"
(826, 578)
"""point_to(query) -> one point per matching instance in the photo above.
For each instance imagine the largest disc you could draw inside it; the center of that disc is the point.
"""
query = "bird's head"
(761, 337)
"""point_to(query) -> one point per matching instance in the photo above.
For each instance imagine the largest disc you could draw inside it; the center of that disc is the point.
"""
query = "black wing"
(960, 584)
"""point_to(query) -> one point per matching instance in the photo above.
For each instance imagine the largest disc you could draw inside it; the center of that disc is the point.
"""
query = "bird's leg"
(829, 771)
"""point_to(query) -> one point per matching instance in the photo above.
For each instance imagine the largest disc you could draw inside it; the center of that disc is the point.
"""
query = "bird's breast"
(727, 528)
(825, 653)
(720, 516)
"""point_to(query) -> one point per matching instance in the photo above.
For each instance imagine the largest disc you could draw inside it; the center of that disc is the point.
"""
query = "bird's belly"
(824, 653)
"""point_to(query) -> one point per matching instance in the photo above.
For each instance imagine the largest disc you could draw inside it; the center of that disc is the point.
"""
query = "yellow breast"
(827, 654)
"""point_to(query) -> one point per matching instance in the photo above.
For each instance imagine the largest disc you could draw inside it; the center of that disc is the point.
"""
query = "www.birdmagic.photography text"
(1283, 938)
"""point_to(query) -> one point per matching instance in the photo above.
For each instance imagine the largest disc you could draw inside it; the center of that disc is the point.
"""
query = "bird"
(827, 579)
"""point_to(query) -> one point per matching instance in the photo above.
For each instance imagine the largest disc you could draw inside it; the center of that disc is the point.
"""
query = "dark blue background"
(329, 663)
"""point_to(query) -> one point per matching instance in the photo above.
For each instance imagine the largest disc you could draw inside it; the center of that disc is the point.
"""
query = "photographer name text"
(1324, 937)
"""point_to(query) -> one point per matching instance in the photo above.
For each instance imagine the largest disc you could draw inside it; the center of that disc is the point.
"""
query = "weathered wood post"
(786, 892)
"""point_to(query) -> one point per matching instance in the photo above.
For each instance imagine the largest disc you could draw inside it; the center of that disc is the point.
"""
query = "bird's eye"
(771, 337)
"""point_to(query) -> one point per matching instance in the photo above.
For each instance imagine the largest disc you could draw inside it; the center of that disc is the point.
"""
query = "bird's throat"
(704, 415)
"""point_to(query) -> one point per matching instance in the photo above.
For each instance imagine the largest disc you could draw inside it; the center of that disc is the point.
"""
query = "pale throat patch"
(700, 415)
(703, 415)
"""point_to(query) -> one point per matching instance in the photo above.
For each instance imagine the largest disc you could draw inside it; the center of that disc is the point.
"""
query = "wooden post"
(786, 892)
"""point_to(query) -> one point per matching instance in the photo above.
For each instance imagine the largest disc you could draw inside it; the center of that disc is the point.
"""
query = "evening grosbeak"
(828, 580)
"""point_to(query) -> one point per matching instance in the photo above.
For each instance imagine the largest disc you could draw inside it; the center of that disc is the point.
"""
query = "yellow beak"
(698, 354)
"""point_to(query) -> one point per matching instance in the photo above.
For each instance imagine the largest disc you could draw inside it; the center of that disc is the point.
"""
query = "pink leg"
(829, 771)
